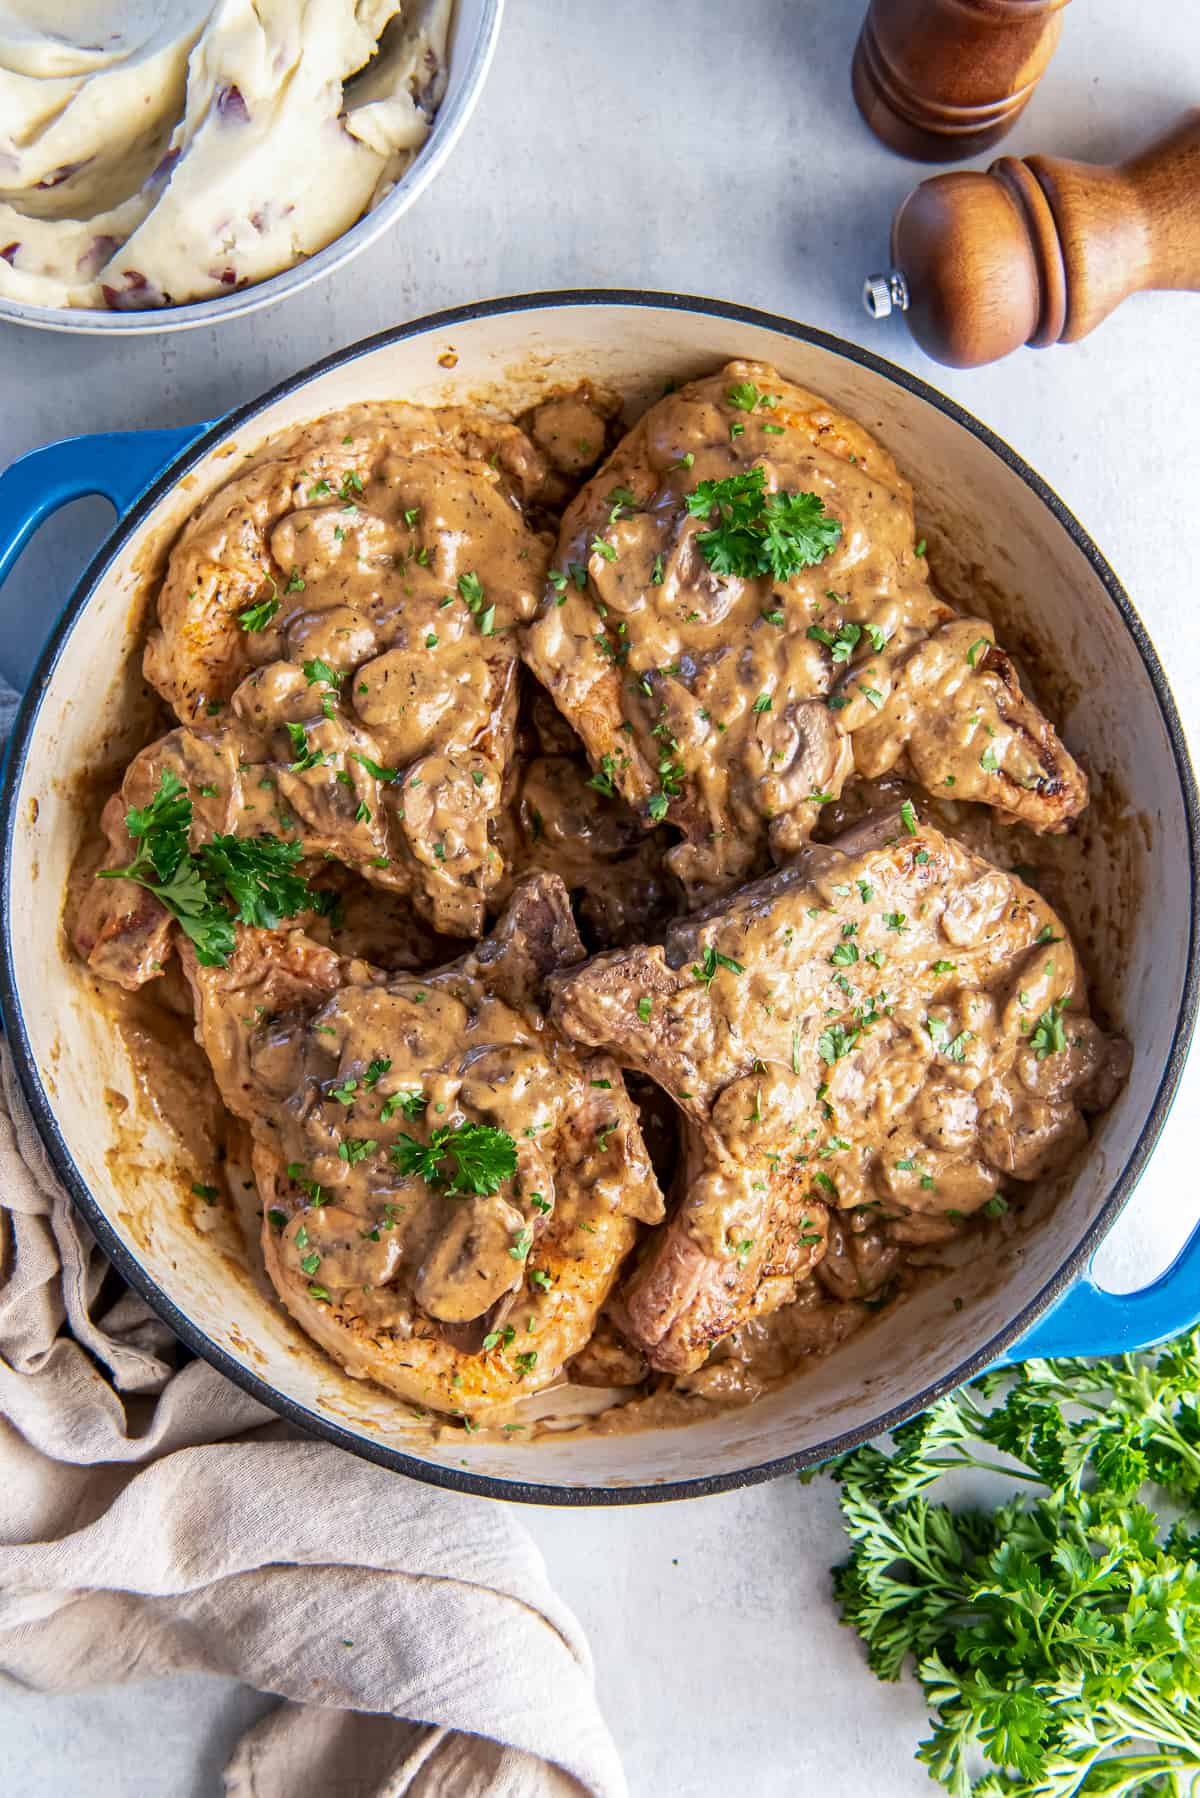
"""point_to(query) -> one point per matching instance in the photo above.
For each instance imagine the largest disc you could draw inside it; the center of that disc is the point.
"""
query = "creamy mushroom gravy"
(357, 541)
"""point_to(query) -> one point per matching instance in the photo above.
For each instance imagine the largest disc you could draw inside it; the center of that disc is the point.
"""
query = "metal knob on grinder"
(1040, 250)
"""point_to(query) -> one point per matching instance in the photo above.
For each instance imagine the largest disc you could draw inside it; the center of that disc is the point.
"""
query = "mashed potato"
(200, 147)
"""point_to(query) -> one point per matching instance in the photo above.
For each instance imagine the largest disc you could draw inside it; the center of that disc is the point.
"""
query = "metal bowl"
(473, 32)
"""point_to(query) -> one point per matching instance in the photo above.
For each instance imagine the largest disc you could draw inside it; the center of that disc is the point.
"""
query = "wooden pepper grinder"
(940, 80)
(1041, 250)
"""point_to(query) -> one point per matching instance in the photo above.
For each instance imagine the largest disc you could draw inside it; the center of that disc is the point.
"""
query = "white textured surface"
(709, 148)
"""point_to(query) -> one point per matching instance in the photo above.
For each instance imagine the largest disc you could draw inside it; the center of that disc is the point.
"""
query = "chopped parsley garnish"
(388, 775)
(908, 817)
(758, 532)
(706, 970)
(939, 1036)
(376, 1069)
(470, 589)
(354, 1149)
(256, 874)
(480, 1158)
(762, 703)
(866, 891)
(989, 761)
(1048, 1036)
(319, 670)
(743, 395)
(306, 758)
(412, 1104)
(845, 955)
(834, 1043)
(205, 1192)
(984, 643)
(841, 643)
(944, 967)
(657, 807)
(1046, 935)
(895, 920)
(258, 617)
(644, 1007)
(603, 780)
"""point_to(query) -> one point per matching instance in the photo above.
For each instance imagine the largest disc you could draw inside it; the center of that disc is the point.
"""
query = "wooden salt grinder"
(940, 80)
(1041, 250)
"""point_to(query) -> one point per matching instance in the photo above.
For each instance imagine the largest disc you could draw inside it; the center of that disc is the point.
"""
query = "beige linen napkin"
(155, 1519)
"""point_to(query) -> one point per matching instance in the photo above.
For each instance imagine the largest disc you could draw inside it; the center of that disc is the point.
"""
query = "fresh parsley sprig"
(256, 874)
(1056, 1636)
(759, 533)
(480, 1158)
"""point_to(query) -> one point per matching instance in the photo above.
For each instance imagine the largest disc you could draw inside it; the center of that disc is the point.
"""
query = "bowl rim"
(449, 124)
(397, 1460)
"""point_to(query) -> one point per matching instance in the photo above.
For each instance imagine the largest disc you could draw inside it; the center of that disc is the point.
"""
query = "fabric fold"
(155, 1519)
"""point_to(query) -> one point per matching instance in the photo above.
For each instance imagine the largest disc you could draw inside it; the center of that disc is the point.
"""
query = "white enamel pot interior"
(982, 510)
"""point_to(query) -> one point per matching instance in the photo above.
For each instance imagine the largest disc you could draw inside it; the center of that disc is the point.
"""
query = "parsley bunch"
(758, 532)
(257, 874)
(1056, 1636)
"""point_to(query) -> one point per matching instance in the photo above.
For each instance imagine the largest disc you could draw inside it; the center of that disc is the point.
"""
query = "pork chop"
(349, 539)
(290, 759)
(458, 1289)
(887, 1028)
(729, 665)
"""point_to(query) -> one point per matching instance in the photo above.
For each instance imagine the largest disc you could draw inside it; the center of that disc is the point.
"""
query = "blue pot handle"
(119, 465)
(1089, 1321)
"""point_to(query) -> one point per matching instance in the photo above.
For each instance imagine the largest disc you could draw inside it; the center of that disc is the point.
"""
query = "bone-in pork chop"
(448, 1185)
(888, 1029)
(740, 620)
